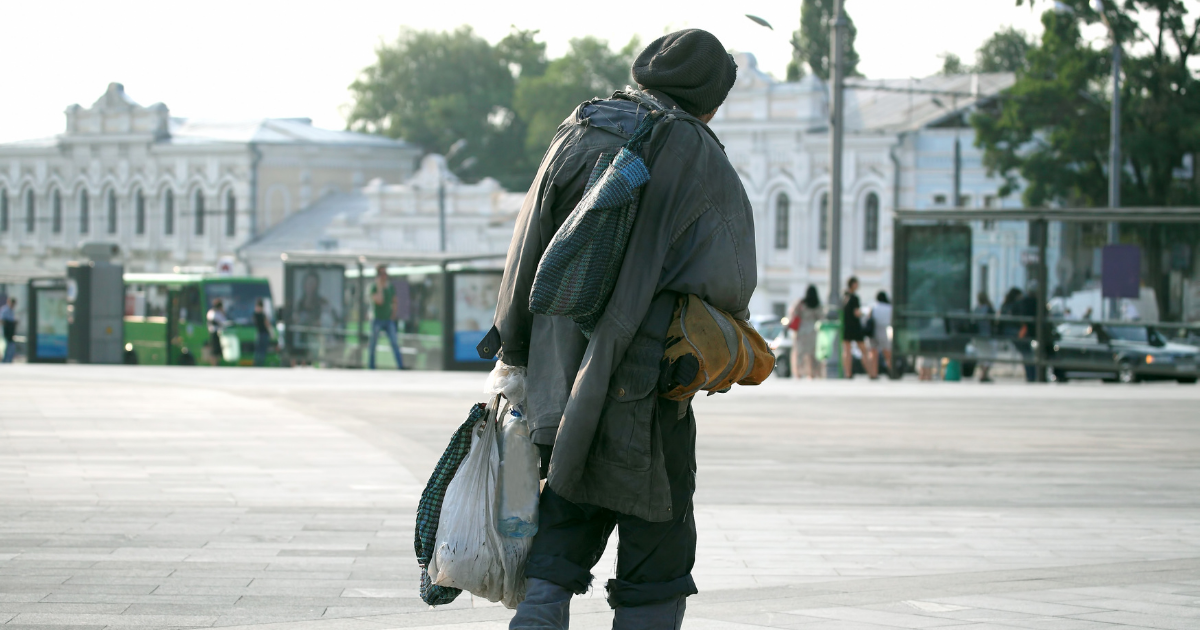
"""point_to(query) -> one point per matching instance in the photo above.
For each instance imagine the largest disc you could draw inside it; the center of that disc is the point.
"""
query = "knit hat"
(691, 66)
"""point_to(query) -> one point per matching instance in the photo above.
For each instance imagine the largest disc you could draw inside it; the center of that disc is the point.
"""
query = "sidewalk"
(173, 497)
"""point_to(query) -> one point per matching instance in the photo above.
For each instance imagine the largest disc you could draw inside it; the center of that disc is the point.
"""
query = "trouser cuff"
(560, 571)
(622, 594)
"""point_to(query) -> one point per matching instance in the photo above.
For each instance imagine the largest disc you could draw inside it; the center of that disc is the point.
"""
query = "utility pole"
(441, 212)
(1114, 141)
(836, 132)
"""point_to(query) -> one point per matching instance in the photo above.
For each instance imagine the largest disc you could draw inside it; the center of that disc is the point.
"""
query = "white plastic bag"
(519, 482)
(470, 553)
(508, 380)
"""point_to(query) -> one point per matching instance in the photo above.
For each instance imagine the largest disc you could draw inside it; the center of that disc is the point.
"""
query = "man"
(217, 320)
(8, 317)
(262, 332)
(882, 341)
(852, 332)
(614, 452)
(384, 307)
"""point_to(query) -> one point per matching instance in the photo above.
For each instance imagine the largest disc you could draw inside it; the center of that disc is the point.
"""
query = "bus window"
(156, 300)
(190, 309)
(239, 298)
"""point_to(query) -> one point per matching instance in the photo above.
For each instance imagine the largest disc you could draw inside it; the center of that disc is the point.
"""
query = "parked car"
(778, 339)
(1126, 352)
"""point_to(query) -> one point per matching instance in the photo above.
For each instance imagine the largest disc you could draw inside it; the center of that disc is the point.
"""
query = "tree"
(433, 89)
(812, 46)
(1051, 128)
(1004, 51)
(952, 64)
(587, 70)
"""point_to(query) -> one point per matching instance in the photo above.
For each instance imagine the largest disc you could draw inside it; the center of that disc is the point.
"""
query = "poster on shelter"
(474, 310)
(51, 323)
(315, 302)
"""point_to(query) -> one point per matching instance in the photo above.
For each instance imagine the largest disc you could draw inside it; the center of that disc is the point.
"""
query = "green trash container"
(829, 337)
(951, 370)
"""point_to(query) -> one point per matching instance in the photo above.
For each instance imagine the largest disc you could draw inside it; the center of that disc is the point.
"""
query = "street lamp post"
(836, 132)
(1114, 141)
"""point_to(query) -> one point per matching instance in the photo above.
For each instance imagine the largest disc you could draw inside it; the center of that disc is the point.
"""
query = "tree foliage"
(1004, 51)
(1051, 128)
(435, 88)
(812, 46)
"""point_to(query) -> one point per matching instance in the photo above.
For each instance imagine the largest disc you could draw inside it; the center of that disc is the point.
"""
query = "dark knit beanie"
(691, 66)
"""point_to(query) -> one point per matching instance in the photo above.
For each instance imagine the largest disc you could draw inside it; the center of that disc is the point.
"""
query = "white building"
(898, 153)
(171, 191)
(395, 219)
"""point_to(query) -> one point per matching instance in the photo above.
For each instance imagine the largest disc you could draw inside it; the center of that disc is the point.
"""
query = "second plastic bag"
(470, 552)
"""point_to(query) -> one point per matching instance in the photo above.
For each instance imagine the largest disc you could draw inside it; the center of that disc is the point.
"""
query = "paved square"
(178, 498)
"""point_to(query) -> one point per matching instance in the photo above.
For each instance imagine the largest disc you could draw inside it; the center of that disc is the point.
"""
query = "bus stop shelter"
(1064, 297)
(446, 306)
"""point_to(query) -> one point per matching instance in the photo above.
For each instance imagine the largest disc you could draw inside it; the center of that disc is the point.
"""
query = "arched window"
(30, 211)
(781, 221)
(871, 227)
(139, 213)
(112, 211)
(168, 212)
(56, 212)
(198, 211)
(85, 219)
(823, 228)
(3, 210)
(230, 213)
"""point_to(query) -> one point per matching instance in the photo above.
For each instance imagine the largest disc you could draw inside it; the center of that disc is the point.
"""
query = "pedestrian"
(881, 342)
(1027, 308)
(591, 400)
(852, 332)
(985, 344)
(383, 309)
(262, 336)
(804, 345)
(8, 318)
(217, 321)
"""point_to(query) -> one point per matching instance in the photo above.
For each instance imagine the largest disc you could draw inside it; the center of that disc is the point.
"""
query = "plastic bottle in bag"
(517, 504)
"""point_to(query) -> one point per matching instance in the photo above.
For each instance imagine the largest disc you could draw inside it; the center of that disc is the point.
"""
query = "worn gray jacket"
(594, 399)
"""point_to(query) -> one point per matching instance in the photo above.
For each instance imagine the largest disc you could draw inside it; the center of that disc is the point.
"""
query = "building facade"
(898, 153)
(171, 192)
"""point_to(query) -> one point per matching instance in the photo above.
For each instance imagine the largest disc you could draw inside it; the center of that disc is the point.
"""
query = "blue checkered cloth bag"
(579, 268)
(429, 510)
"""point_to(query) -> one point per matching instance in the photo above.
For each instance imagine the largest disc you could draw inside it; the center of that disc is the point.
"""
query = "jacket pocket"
(624, 433)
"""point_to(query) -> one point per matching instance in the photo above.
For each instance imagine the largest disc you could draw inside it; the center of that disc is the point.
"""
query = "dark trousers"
(262, 341)
(654, 560)
(388, 328)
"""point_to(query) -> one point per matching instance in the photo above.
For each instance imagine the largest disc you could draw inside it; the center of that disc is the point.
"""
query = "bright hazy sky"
(235, 60)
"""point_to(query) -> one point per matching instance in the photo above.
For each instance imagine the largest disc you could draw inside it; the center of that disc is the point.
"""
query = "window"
(198, 211)
(84, 218)
(139, 217)
(989, 201)
(964, 201)
(169, 213)
(3, 210)
(779, 309)
(230, 213)
(823, 228)
(56, 213)
(939, 200)
(781, 221)
(984, 280)
(112, 211)
(989, 225)
(871, 229)
(30, 211)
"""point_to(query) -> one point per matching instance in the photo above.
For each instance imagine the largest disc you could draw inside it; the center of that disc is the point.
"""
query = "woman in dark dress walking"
(852, 332)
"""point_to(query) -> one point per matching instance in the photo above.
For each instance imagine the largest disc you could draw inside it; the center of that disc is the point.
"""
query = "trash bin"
(829, 347)
(951, 370)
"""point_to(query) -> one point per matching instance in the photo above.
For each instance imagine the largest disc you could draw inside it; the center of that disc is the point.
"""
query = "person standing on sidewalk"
(8, 318)
(852, 332)
(384, 307)
(620, 456)
(217, 321)
(262, 327)
(804, 348)
(985, 313)
(881, 342)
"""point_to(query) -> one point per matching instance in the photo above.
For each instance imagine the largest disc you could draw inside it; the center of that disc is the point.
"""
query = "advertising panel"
(474, 310)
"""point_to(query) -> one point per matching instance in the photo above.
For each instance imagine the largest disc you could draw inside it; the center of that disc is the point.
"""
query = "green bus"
(165, 317)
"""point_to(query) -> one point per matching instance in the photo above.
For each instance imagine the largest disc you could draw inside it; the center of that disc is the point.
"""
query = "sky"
(238, 60)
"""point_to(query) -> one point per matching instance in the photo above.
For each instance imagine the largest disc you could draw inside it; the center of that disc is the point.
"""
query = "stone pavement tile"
(1145, 607)
(1124, 617)
(153, 621)
(52, 626)
(1057, 623)
(879, 617)
(1022, 606)
(63, 607)
(29, 596)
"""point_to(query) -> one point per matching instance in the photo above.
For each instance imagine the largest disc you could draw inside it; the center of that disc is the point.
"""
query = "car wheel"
(1125, 373)
(1187, 381)
(1058, 376)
